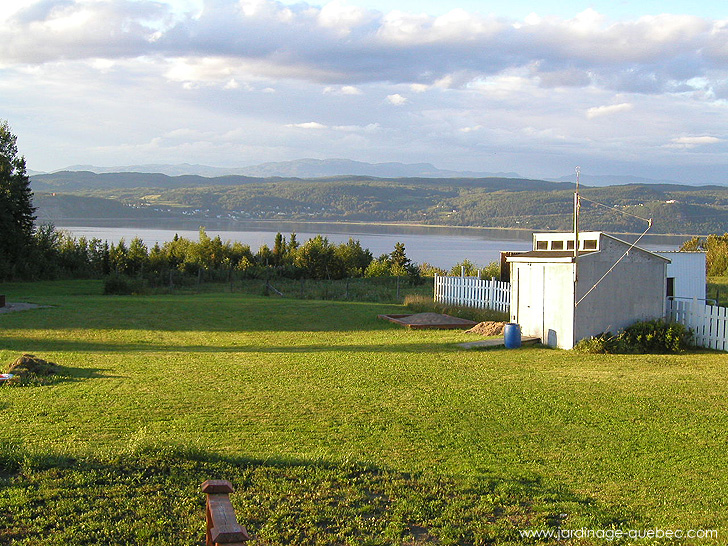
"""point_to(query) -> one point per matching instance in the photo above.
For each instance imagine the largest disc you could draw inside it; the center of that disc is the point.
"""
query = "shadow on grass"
(204, 313)
(60, 345)
(151, 495)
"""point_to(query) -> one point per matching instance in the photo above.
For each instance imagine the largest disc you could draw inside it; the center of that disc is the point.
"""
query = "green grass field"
(338, 428)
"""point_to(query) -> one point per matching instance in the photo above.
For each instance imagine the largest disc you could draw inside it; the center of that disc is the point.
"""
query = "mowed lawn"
(636, 440)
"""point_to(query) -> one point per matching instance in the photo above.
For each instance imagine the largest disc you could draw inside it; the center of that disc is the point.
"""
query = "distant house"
(563, 299)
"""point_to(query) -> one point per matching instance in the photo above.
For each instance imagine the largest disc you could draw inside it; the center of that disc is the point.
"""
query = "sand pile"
(433, 319)
(429, 320)
(487, 329)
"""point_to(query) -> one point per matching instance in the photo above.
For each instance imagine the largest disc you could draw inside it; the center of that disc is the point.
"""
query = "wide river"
(439, 246)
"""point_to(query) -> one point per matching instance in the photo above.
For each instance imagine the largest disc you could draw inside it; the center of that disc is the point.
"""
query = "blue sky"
(516, 9)
(637, 88)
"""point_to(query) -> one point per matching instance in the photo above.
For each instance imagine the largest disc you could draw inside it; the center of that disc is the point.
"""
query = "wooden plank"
(217, 486)
(222, 524)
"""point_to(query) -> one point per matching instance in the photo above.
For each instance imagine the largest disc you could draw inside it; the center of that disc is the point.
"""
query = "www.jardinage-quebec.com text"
(618, 534)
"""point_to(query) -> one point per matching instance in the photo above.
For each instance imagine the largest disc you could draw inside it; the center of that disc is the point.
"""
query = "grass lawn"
(338, 428)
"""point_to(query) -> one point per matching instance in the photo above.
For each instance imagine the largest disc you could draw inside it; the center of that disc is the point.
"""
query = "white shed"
(563, 298)
(685, 274)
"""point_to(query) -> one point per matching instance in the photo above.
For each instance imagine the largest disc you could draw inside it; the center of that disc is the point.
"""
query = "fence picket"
(709, 323)
(473, 292)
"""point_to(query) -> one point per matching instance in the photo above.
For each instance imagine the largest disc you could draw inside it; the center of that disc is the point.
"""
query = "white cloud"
(397, 100)
(599, 111)
(692, 141)
(343, 90)
(342, 44)
(308, 125)
(370, 128)
(341, 17)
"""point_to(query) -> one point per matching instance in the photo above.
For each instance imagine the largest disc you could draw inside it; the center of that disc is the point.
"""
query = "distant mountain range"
(513, 203)
(602, 180)
(327, 168)
(300, 168)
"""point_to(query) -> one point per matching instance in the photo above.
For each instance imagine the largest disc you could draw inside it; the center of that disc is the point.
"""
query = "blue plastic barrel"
(512, 335)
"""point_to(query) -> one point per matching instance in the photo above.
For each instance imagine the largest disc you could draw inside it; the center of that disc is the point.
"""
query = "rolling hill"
(489, 202)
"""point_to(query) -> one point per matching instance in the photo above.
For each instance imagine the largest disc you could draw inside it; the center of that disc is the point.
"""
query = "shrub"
(651, 336)
(471, 270)
(121, 285)
(601, 344)
(655, 336)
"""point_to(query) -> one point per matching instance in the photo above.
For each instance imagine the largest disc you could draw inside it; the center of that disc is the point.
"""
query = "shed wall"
(688, 270)
(634, 290)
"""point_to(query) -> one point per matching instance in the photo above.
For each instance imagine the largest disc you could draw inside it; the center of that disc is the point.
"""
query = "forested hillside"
(488, 202)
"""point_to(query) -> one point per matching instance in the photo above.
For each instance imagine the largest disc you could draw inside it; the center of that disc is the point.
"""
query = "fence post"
(222, 525)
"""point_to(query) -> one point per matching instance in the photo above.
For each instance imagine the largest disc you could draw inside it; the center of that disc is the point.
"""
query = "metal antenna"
(577, 205)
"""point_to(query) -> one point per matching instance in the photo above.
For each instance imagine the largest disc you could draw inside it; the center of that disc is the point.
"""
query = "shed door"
(531, 299)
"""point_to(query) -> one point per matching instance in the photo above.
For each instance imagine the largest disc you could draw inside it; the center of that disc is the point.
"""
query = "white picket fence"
(473, 292)
(709, 323)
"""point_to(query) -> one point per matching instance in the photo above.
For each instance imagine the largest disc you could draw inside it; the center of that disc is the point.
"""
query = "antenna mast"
(577, 205)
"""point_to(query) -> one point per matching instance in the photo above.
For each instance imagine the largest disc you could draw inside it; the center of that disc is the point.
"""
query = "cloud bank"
(535, 84)
(341, 44)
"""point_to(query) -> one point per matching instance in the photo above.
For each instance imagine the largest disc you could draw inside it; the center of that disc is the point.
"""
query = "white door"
(531, 280)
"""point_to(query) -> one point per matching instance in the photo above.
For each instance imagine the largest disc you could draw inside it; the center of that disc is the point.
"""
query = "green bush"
(121, 285)
(651, 336)
(601, 344)
(655, 336)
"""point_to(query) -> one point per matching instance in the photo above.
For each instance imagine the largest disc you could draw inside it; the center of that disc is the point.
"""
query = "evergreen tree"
(399, 260)
(279, 249)
(17, 214)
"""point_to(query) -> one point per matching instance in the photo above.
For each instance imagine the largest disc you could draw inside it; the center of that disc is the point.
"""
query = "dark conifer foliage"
(17, 214)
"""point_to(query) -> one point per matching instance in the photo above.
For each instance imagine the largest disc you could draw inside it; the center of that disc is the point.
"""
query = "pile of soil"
(487, 329)
(31, 365)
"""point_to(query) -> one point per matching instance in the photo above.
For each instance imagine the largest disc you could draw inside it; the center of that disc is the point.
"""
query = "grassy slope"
(326, 383)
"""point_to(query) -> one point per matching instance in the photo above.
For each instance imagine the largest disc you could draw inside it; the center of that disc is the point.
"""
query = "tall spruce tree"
(17, 213)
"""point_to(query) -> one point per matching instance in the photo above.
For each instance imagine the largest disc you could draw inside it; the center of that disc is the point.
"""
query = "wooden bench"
(222, 525)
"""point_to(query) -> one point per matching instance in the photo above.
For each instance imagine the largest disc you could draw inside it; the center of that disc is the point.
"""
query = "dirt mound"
(487, 329)
(32, 365)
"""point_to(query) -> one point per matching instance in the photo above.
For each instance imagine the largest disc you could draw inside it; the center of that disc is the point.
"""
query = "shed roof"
(547, 256)
(566, 256)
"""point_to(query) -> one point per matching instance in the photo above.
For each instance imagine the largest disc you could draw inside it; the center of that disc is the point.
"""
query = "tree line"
(27, 252)
(56, 254)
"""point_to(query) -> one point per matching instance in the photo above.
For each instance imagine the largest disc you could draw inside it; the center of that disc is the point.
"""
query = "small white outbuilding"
(562, 297)
(685, 274)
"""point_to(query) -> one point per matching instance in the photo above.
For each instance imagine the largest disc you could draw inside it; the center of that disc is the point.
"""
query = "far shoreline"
(489, 232)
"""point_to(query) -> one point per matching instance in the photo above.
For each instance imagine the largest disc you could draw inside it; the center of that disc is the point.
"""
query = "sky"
(622, 88)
